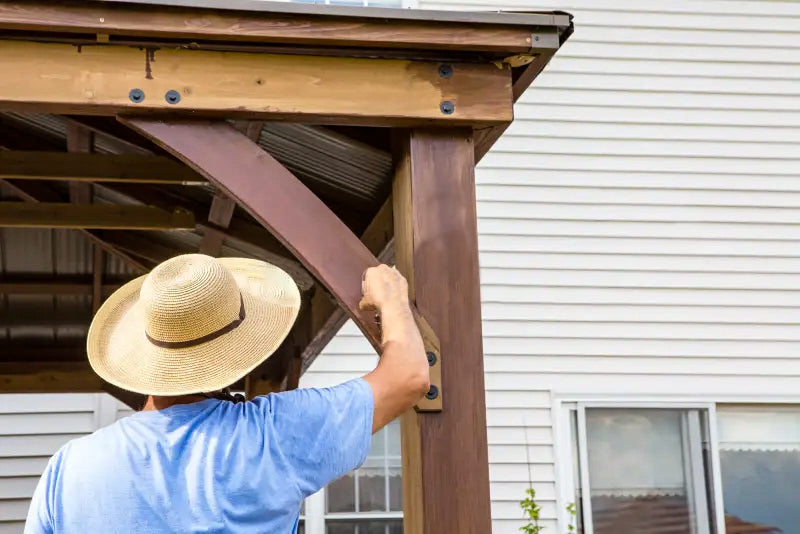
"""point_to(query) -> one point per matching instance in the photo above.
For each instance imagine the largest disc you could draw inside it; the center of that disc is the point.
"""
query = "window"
(759, 453)
(642, 471)
(367, 501)
(707, 469)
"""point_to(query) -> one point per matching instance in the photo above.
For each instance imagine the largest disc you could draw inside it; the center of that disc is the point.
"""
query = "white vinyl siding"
(638, 223)
(32, 429)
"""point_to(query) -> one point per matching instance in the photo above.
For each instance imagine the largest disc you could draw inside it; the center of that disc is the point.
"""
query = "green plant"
(531, 511)
(572, 512)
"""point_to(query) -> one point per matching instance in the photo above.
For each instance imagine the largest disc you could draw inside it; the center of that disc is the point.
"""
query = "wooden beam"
(254, 27)
(219, 216)
(268, 86)
(111, 216)
(485, 138)
(437, 248)
(36, 192)
(79, 140)
(86, 167)
(327, 316)
(32, 284)
(276, 199)
(222, 208)
(48, 377)
(97, 279)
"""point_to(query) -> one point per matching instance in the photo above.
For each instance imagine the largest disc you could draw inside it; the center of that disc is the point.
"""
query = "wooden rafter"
(306, 88)
(48, 377)
(327, 316)
(485, 138)
(87, 167)
(35, 192)
(31, 284)
(219, 217)
(254, 27)
(110, 216)
(274, 197)
(238, 229)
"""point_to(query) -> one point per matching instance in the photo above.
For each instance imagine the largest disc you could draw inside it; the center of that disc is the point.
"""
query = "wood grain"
(110, 216)
(276, 199)
(134, 168)
(192, 24)
(452, 472)
(327, 317)
(99, 79)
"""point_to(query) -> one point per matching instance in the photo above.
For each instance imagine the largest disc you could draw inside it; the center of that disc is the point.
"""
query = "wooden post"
(445, 458)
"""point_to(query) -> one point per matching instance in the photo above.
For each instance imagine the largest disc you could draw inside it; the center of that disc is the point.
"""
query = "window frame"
(317, 516)
(565, 473)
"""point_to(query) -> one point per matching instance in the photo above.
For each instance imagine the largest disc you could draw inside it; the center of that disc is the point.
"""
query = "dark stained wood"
(79, 140)
(219, 215)
(15, 136)
(446, 287)
(48, 377)
(327, 317)
(111, 216)
(149, 251)
(37, 192)
(187, 24)
(485, 138)
(278, 200)
(88, 167)
(243, 230)
(269, 86)
(109, 128)
(32, 284)
(97, 279)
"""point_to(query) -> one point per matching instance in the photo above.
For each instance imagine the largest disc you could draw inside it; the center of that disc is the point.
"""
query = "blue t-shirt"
(209, 466)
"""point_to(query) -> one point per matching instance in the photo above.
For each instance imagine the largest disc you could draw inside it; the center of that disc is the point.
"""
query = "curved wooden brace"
(285, 206)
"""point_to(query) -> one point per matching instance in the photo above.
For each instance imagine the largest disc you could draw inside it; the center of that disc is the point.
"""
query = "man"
(190, 462)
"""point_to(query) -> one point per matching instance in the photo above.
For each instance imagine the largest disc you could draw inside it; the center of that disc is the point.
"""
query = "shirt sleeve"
(40, 520)
(323, 433)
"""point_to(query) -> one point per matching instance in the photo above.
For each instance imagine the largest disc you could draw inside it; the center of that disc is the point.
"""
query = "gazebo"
(323, 139)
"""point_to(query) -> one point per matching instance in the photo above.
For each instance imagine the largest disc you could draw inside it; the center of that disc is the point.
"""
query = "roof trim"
(532, 18)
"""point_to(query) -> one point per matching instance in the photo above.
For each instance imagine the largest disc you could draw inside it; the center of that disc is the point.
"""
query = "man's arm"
(402, 376)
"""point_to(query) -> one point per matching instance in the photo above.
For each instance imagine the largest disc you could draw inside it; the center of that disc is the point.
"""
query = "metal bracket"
(432, 401)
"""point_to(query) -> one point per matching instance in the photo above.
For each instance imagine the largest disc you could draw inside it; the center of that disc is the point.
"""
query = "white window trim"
(565, 474)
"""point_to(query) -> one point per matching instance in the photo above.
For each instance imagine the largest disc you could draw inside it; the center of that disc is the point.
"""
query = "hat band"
(204, 339)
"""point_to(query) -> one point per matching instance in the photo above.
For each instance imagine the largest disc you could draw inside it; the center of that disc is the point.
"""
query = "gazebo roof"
(317, 87)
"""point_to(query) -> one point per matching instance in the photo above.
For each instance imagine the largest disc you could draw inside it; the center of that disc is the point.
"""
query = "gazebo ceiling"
(319, 88)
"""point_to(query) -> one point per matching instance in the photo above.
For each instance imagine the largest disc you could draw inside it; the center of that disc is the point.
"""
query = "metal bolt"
(172, 96)
(445, 70)
(432, 393)
(447, 107)
(136, 95)
(431, 358)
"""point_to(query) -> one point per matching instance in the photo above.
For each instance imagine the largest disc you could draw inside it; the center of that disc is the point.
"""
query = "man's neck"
(159, 403)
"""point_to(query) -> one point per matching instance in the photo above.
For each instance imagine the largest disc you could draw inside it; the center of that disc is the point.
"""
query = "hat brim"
(120, 353)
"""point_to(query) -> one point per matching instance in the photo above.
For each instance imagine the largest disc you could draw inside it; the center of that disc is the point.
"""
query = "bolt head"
(172, 96)
(447, 107)
(432, 393)
(445, 70)
(431, 357)
(136, 95)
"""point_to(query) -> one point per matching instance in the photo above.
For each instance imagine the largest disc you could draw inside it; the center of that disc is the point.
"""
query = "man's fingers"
(365, 304)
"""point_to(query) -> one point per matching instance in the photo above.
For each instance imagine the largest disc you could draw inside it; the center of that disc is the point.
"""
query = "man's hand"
(402, 376)
(382, 287)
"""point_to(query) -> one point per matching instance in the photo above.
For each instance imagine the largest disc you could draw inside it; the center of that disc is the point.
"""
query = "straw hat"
(194, 324)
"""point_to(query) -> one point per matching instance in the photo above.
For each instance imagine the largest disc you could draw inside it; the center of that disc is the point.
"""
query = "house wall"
(638, 226)
(32, 429)
(638, 229)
